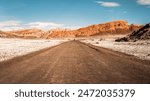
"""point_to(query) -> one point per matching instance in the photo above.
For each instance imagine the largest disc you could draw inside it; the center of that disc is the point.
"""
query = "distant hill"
(2, 34)
(28, 33)
(6, 35)
(119, 27)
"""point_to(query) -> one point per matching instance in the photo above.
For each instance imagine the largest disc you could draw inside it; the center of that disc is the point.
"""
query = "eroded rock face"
(28, 33)
(134, 27)
(110, 28)
(142, 33)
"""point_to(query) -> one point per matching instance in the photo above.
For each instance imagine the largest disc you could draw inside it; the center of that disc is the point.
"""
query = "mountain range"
(119, 27)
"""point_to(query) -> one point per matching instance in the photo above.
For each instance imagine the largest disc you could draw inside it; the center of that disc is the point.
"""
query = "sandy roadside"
(140, 49)
(10, 48)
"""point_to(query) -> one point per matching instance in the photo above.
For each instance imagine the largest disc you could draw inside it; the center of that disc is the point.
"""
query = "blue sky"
(46, 14)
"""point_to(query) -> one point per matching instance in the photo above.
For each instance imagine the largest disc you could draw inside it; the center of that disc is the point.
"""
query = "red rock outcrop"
(110, 28)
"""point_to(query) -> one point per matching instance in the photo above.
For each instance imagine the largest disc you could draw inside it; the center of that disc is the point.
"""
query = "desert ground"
(13, 47)
(140, 49)
(10, 47)
(71, 62)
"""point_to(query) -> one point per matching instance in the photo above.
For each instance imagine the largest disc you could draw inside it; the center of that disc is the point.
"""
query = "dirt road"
(75, 62)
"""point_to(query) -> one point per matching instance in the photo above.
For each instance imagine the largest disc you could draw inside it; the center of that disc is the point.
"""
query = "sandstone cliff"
(110, 28)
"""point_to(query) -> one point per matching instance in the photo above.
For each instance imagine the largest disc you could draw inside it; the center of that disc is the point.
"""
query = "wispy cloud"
(44, 25)
(108, 4)
(10, 25)
(18, 25)
(72, 27)
(143, 2)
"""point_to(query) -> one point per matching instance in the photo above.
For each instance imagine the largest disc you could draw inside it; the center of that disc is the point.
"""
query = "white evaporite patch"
(10, 48)
(139, 49)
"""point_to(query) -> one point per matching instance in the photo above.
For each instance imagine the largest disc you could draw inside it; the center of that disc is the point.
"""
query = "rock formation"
(6, 35)
(2, 34)
(110, 28)
(28, 33)
(141, 34)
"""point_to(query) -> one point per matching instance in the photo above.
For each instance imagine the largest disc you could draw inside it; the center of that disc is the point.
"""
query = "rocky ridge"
(119, 27)
(141, 34)
(110, 28)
